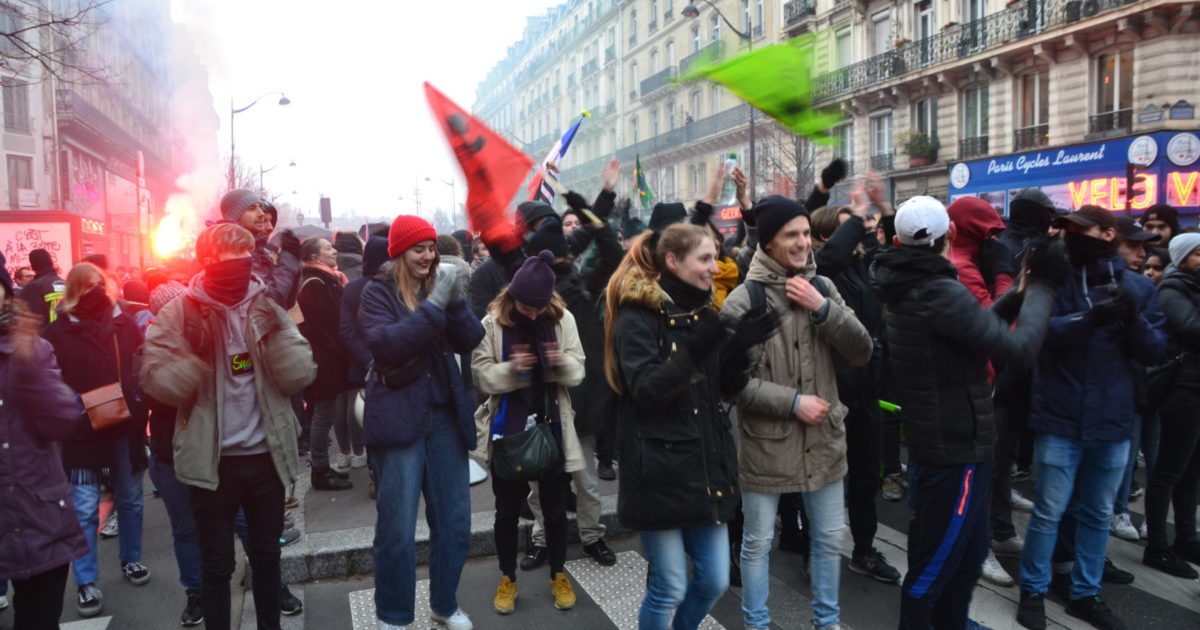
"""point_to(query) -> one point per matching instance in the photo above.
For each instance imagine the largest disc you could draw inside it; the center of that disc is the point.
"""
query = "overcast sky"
(358, 126)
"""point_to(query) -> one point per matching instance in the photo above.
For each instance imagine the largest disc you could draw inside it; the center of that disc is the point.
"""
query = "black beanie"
(1165, 213)
(666, 214)
(774, 212)
(548, 236)
(531, 211)
(41, 260)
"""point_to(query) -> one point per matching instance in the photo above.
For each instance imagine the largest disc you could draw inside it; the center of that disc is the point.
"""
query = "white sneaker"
(1019, 502)
(1142, 531)
(994, 573)
(1011, 547)
(342, 463)
(1123, 528)
(3, 602)
(383, 625)
(358, 461)
(458, 621)
(111, 529)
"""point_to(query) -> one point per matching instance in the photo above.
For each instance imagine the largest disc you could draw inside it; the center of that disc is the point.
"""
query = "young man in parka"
(229, 358)
(790, 407)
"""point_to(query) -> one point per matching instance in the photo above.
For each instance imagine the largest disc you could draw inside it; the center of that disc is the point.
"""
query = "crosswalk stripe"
(99, 623)
(618, 590)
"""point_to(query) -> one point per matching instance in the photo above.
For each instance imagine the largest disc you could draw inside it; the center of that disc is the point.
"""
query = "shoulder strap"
(819, 283)
(193, 326)
(758, 294)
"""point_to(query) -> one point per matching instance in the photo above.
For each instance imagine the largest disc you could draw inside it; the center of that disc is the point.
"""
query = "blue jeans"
(670, 592)
(175, 497)
(436, 467)
(827, 528)
(1121, 503)
(127, 494)
(1083, 476)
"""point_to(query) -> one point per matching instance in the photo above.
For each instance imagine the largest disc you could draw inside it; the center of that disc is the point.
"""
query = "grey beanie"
(236, 202)
(1181, 246)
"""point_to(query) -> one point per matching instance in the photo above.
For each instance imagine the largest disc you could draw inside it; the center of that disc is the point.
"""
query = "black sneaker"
(193, 614)
(90, 601)
(1113, 575)
(288, 522)
(606, 472)
(1031, 612)
(1094, 611)
(1166, 561)
(289, 604)
(1188, 551)
(288, 537)
(326, 479)
(534, 558)
(135, 573)
(1060, 585)
(873, 564)
(600, 552)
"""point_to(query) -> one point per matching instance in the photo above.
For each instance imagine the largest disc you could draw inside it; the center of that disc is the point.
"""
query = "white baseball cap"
(921, 220)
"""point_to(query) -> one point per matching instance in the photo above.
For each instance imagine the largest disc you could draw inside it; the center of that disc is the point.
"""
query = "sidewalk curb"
(347, 552)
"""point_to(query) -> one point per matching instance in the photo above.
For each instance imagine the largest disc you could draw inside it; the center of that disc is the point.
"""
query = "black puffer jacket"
(940, 340)
(320, 300)
(1179, 296)
(676, 451)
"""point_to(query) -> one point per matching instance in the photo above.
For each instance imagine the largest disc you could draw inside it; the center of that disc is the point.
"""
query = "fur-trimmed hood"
(639, 289)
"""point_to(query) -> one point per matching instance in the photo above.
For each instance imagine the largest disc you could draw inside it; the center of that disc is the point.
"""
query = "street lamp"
(234, 111)
(691, 11)
(262, 190)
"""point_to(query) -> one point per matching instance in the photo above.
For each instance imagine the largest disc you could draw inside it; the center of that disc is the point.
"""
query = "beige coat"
(778, 452)
(496, 378)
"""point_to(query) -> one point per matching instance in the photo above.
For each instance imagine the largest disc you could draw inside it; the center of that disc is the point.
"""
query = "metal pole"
(753, 161)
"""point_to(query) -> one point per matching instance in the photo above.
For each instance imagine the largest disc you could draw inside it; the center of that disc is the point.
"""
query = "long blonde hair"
(77, 284)
(410, 290)
(644, 262)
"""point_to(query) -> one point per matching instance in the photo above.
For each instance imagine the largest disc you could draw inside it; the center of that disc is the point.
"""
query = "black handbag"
(529, 455)
(1159, 380)
(401, 375)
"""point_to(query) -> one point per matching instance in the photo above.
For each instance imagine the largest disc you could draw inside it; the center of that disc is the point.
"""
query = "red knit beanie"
(407, 231)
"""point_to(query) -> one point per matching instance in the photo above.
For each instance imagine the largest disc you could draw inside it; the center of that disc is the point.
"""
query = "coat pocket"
(768, 428)
(54, 512)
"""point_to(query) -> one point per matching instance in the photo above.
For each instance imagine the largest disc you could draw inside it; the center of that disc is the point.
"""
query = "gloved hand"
(445, 286)
(1046, 261)
(701, 215)
(289, 243)
(462, 284)
(1118, 309)
(756, 326)
(834, 173)
(709, 334)
(575, 200)
(995, 259)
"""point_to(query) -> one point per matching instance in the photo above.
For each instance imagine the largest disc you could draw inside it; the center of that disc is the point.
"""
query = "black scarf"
(531, 400)
(684, 295)
(228, 281)
(94, 310)
(1084, 249)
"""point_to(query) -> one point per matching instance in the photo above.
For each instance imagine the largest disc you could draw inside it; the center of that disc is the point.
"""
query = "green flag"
(640, 187)
(776, 80)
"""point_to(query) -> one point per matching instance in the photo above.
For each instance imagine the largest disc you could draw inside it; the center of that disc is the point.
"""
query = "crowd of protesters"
(726, 381)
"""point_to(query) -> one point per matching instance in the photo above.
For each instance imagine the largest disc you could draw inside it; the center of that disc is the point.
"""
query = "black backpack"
(758, 292)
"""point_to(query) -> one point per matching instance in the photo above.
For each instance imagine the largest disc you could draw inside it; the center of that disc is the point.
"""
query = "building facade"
(985, 97)
(614, 58)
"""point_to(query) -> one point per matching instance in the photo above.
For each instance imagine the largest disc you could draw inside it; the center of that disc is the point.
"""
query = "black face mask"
(94, 304)
(1084, 249)
(228, 281)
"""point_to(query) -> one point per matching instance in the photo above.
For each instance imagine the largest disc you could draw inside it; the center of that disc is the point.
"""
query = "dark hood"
(374, 255)
(975, 221)
(665, 214)
(1028, 218)
(897, 269)
(1182, 280)
(347, 243)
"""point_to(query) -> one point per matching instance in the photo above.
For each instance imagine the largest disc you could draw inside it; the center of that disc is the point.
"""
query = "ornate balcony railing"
(882, 162)
(1031, 137)
(718, 47)
(972, 147)
(1118, 120)
(797, 10)
(657, 81)
(1019, 20)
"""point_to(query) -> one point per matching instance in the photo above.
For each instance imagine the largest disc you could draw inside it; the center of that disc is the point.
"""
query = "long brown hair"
(644, 262)
(77, 284)
(409, 289)
(503, 307)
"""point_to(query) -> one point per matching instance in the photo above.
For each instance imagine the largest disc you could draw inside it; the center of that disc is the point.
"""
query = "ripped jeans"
(826, 512)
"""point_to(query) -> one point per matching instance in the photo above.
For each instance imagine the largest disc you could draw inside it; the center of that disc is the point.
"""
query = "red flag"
(492, 167)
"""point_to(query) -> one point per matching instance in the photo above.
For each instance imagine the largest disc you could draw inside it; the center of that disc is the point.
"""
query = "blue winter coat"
(398, 417)
(1083, 383)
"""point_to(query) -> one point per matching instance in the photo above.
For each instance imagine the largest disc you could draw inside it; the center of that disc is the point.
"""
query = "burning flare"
(172, 234)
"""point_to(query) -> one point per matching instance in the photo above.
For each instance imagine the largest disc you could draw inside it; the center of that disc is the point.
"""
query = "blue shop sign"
(1092, 173)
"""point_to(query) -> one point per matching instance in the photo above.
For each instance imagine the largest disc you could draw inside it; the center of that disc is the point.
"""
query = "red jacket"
(976, 220)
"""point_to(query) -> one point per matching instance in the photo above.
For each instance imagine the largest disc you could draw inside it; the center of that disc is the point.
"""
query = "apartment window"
(632, 26)
(653, 14)
(696, 102)
(881, 134)
(761, 17)
(845, 53)
(745, 16)
(653, 62)
(925, 117)
(16, 105)
(671, 54)
(701, 177)
(654, 122)
(714, 99)
(881, 32)
(974, 9)
(1114, 80)
(714, 25)
(975, 112)
(1035, 99)
(633, 129)
(670, 115)
(10, 22)
(695, 39)
(669, 182)
(633, 80)
(20, 175)
(845, 146)
(693, 180)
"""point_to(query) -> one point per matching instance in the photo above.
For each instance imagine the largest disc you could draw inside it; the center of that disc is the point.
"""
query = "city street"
(607, 597)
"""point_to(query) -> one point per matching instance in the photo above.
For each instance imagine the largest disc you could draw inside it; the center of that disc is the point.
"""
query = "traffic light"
(1135, 186)
(326, 212)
